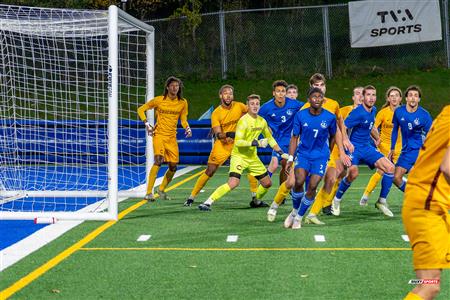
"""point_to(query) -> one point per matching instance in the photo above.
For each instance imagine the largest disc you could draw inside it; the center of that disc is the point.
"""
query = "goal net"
(70, 85)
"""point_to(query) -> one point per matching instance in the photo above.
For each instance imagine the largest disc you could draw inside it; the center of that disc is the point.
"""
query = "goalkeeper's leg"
(152, 177)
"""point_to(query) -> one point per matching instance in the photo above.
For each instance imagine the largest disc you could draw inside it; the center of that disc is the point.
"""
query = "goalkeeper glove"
(150, 128)
(188, 132)
(283, 155)
(260, 143)
(230, 134)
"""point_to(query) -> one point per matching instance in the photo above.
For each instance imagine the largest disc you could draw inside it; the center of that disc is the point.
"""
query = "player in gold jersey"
(244, 155)
(425, 208)
(223, 122)
(169, 107)
(324, 198)
(383, 121)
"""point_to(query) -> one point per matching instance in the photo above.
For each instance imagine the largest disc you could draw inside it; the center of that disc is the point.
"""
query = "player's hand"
(229, 140)
(229, 137)
(284, 156)
(391, 155)
(345, 159)
(188, 132)
(348, 145)
(263, 143)
(288, 167)
(150, 129)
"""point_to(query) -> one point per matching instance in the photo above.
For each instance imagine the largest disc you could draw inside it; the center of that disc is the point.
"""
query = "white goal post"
(71, 81)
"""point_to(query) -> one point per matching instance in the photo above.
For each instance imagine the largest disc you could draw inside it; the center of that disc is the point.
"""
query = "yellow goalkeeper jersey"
(426, 185)
(328, 104)
(248, 129)
(167, 113)
(383, 120)
(228, 117)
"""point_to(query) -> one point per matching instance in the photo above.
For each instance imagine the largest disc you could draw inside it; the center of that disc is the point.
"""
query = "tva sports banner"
(380, 23)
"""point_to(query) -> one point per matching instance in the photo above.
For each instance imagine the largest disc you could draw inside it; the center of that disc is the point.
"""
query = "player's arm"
(375, 135)
(394, 136)
(445, 165)
(184, 122)
(141, 112)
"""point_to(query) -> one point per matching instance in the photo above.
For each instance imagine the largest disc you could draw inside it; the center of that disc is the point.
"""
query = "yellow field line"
(27, 279)
(241, 249)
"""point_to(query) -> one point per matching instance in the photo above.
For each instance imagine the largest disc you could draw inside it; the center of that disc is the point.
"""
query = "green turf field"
(187, 257)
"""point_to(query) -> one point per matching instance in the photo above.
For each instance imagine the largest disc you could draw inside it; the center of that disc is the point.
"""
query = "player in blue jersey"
(360, 123)
(316, 128)
(414, 123)
(279, 112)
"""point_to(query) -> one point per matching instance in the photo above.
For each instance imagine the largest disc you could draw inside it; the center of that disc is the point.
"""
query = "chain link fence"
(295, 41)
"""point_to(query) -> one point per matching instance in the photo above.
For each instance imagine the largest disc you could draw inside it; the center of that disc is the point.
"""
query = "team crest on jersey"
(402, 119)
(289, 112)
(273, 115)
(305, 124)
(323, 124)
(416, 121)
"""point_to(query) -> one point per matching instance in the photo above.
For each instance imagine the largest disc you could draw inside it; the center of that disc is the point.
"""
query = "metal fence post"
(326, 42)
(223, 45)
(446, 31)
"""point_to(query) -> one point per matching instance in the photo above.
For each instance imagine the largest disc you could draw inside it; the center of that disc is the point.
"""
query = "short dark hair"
(225, 86)
(279, 83)
(368, 87)
(413, 88)
(314, 90)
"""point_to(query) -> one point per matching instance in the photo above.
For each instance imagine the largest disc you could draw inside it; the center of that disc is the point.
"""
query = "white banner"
(381, 23)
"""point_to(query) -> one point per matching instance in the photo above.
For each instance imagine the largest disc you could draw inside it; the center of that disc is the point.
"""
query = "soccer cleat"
(188, 202)
(257, 203)
(297, 223)
(149, 197)
(336, 208)
(313, 220)
(289, 220)
(363, 201)
(163, 195)
(327, 210)
(384, 209)
(204, 207)
(271, 214)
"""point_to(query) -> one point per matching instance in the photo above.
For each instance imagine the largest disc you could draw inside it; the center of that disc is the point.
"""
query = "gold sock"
(151, 178)
(327, 201)
(167, 179)
(376, 177)
(412, 296)
(281, 193)
(321, 197)
(220, 192)
(201, 182)
(253, 183)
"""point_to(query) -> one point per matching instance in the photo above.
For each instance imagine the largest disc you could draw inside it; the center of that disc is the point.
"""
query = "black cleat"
(327, 210)
(257, 203)
(204, 207)
(188, 202)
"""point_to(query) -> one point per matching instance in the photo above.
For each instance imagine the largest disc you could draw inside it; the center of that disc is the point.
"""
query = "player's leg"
(309, 196)
(387, 167)
(172, 157)
(371, 185)
(273, 165)
(281, 194)
(159, 151)
(399, 180)
(428, 290)
(259, 171)
(325, 192)
(297, 194)
(352, 174)
(201, 182)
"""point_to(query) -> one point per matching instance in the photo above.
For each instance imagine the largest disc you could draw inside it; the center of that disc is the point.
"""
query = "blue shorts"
(316, 166)
(284, 148)
(407, 159)
(365, 154)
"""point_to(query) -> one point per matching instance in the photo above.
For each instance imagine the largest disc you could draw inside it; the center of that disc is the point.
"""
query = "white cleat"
(289, 220)
(363, 201)
(336, 208)
(384, 209)
(297, 223)
(313, 220)
(271, 214)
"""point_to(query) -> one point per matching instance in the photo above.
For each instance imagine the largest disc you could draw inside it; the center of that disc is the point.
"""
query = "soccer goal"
(71, 81)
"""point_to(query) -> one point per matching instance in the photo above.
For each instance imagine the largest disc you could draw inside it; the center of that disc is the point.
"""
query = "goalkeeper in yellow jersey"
(244, 155)
(169, 107)
(223, 122)
(383, 121)
(425, 209)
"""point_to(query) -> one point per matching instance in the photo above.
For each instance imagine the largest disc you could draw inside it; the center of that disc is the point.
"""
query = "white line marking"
(405, 238)
(319, 238)
(232, 238)
(144, 237)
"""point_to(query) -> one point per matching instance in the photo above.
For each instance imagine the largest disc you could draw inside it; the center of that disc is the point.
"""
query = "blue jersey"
(360, 123)
(413, 126)
(280, 119)
(314, 132)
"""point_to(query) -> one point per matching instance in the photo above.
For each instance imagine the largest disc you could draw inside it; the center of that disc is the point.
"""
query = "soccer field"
(363, 256)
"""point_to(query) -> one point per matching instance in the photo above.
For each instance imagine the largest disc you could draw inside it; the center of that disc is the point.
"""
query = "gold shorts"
(166, 146)
(220, 153)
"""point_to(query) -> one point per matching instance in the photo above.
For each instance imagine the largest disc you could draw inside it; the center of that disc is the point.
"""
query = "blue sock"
(270, 174)
(343, 187)
(402, 187)
(306, 203)
(296, 199)
(386, 184)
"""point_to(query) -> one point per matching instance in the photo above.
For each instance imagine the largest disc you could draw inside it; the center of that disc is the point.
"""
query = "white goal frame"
(108, 209)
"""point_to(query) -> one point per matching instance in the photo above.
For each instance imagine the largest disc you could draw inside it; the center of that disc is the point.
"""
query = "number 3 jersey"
(314, 132)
